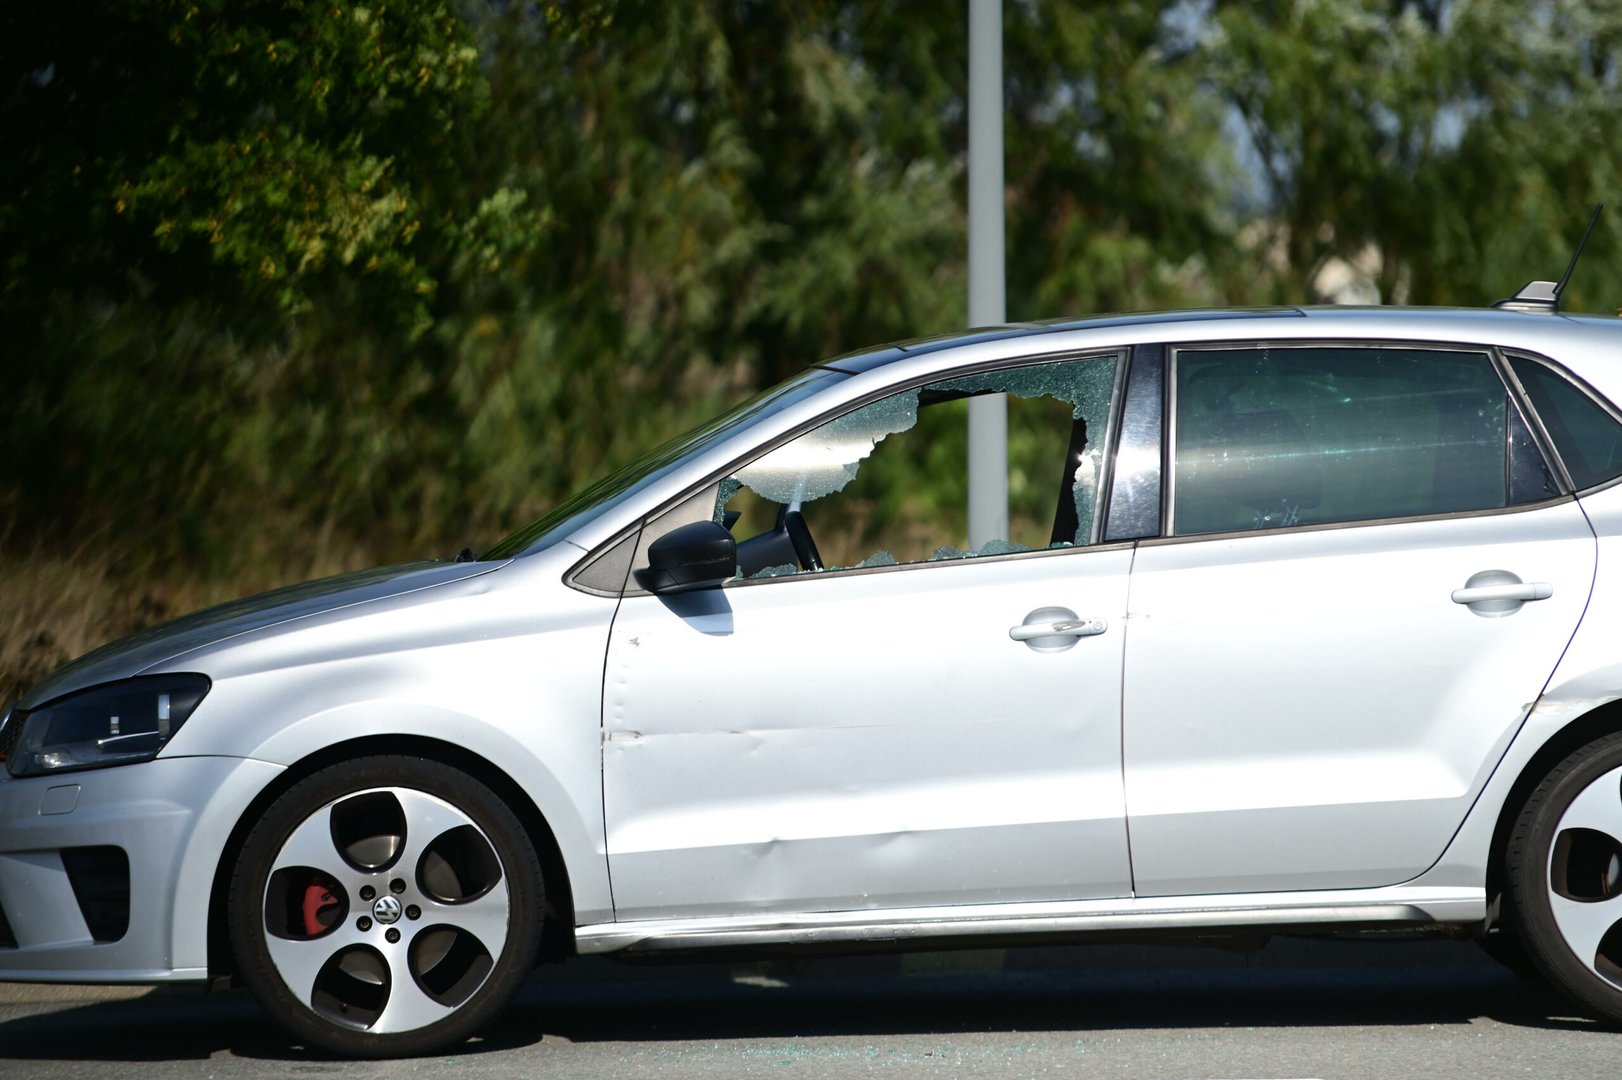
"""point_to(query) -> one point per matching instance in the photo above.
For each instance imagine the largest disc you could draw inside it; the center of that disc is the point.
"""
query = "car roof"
(1467, 324)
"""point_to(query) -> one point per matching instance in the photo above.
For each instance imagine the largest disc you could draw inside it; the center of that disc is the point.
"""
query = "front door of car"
(1369, 577)
(878, 734)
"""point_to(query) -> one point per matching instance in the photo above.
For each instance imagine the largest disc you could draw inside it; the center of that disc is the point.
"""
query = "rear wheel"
(1563, 870)
(1504, 946)
(386, 907)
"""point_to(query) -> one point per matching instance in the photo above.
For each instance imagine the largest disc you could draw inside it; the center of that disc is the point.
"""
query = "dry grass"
(55, 608)
(52, 610)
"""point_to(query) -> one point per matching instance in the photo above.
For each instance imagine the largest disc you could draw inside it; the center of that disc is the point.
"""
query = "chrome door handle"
(1059, 628)
(1528, 590)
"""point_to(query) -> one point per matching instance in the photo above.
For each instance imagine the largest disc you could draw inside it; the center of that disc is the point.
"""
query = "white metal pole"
(988, 414)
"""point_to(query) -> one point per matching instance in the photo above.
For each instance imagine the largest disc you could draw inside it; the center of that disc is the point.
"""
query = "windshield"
(612, 490)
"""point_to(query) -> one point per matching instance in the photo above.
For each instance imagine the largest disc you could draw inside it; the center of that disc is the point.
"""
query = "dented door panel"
(866, 740)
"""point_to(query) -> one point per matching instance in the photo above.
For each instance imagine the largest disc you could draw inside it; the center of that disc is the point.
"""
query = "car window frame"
(1495, 354)
(1551, 451)
(667, 515)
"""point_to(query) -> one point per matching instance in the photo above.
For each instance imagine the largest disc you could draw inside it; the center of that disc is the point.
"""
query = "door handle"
(1058, 628)
(1495, 593)
(1527, 590)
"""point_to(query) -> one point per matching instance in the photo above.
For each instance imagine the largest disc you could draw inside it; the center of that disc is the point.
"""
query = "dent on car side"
(560, 689)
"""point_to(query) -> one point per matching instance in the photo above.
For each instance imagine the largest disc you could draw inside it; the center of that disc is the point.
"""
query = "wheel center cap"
(387, 910)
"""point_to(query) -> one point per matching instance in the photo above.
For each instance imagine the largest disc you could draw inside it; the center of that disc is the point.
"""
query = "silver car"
(1302, 620)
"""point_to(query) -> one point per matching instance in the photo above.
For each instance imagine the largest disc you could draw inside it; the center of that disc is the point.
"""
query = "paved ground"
(1317, 1009)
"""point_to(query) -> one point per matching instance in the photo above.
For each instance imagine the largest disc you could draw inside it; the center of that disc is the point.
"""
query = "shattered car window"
(825, 460)
(1086, 387)
(886, 484)
(617, 487)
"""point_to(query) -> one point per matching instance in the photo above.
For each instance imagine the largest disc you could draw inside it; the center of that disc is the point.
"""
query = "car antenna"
(1543, 297)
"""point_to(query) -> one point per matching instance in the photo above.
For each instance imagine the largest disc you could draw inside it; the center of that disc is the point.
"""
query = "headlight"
(105, 725)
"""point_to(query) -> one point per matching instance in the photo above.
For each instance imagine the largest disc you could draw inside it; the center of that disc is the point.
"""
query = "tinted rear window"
(1587, 438)
(1300, 435)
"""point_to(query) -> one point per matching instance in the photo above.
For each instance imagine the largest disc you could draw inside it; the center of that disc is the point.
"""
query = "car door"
(1367, 577)
(887, 732)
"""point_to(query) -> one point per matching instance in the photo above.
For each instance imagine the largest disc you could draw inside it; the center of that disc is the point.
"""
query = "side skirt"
(1396, 907)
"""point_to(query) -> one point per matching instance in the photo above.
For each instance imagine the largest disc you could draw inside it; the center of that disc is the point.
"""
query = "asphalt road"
(1296, 1009)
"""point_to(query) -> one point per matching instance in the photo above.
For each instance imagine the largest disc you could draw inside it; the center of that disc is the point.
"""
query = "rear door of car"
(1367, 569)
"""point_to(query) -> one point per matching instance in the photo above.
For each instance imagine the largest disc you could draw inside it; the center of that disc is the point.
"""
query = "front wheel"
(386, 907)
(1563, 876)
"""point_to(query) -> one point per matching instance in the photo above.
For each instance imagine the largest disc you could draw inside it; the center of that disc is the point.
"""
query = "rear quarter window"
(1585, 434)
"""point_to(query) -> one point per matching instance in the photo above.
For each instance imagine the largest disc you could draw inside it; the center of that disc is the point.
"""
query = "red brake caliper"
(318, 900)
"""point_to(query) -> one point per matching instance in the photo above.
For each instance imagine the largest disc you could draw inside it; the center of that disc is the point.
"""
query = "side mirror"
(697, 556)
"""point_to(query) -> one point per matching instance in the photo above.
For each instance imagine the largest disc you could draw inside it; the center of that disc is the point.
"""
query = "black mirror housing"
(700, 555)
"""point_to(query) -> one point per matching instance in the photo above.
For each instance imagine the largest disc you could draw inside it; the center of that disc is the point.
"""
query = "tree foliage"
(288, 276)
(1458, 143)
(259, 153)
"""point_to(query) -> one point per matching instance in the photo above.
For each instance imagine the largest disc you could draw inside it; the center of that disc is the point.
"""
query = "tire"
(1504, 946)
(369, 937)
(1563, 877)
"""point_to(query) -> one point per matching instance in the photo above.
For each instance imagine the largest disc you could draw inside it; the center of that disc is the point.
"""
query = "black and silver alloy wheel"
(386, 906)
(1563, 874)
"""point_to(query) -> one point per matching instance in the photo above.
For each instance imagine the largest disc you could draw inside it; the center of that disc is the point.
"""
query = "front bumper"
(169, 818)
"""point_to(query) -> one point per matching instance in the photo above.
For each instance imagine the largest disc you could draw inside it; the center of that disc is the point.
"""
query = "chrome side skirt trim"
(1397, 906)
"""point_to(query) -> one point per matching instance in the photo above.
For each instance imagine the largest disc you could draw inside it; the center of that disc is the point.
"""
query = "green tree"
(254, 153)
(224, 224)
(386, 279)
(1459, 143)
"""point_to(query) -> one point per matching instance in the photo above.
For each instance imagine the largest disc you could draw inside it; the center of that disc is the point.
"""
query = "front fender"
(543, 768)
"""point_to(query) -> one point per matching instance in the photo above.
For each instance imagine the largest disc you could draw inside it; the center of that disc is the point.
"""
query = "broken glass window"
(776, 571)
(823, 461)
(1001, 547)
(723, 495)
(1087, 385)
